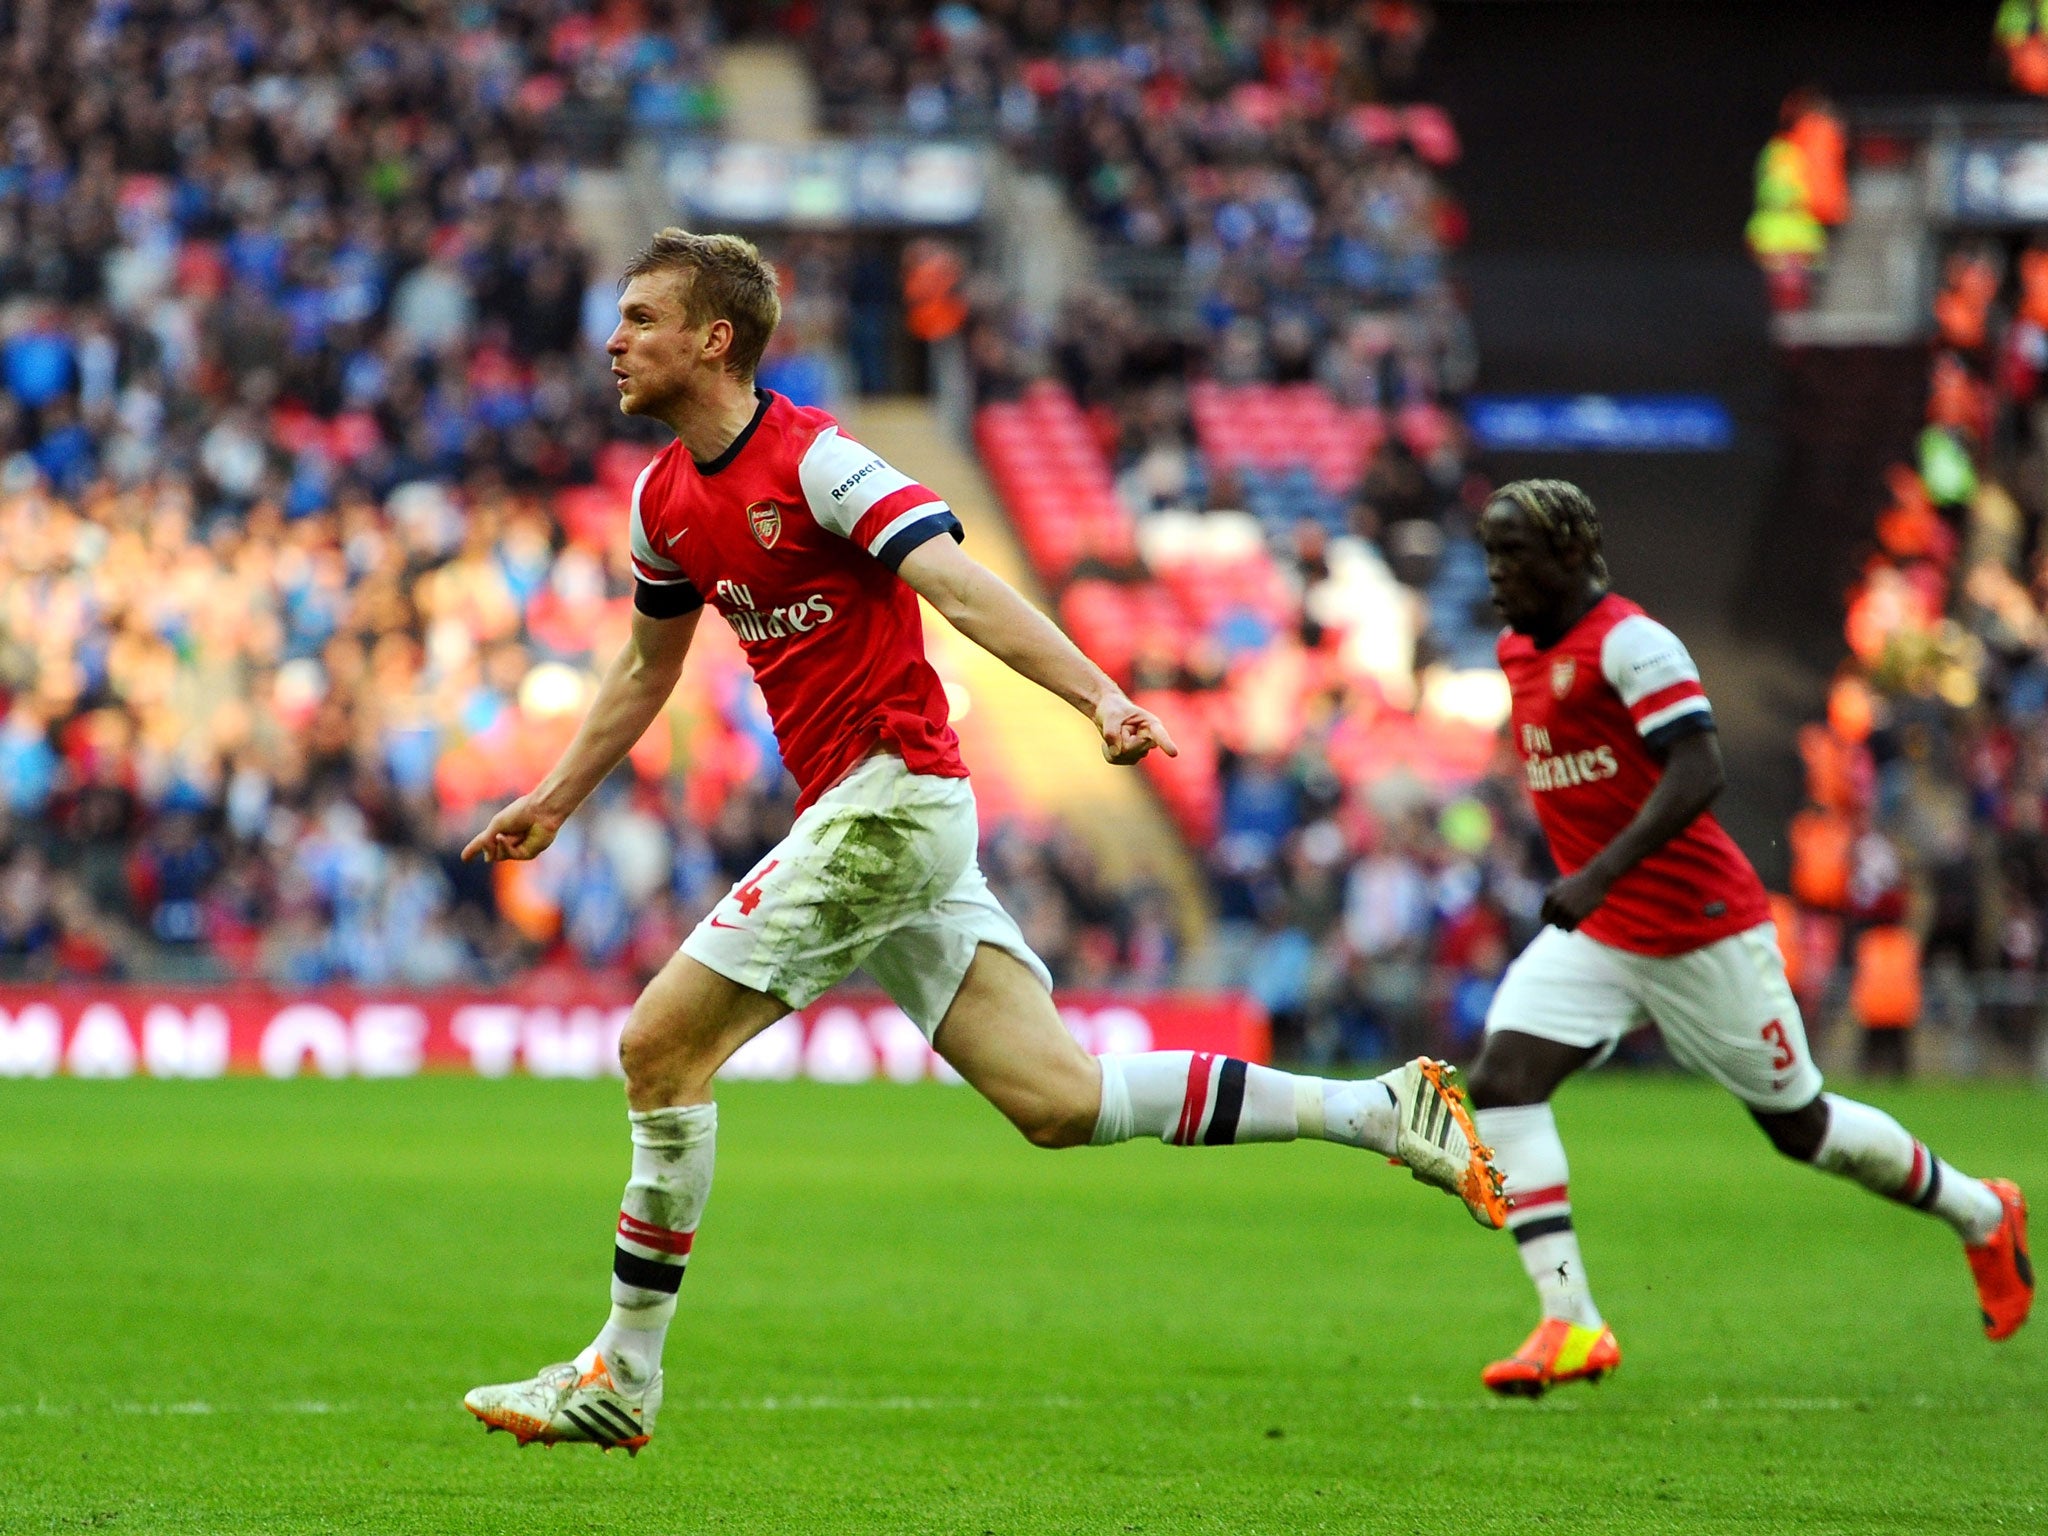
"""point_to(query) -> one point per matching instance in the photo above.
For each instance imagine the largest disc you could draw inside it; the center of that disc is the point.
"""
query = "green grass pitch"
(254, 1306)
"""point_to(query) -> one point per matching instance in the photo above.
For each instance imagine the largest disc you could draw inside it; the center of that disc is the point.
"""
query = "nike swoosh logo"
(737, 927)
(670, 539)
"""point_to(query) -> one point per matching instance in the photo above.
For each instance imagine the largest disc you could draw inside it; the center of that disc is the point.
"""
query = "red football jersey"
(1588, 713)
(794, 534)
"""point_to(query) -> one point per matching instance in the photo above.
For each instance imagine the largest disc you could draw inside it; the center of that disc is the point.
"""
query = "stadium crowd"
(290, 317)
(1261, 171)
(253, 745)
(1927, 781)
(275, 248)
(308, 496)
(1254, 150)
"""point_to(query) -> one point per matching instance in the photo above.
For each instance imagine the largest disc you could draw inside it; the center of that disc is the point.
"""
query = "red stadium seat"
(1430, 131)
(1188, 784)
(592, 514)
(1376, 125)
(619, 465)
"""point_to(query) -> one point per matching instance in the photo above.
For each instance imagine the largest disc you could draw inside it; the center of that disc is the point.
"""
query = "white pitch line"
(199, 1408)
(827, 1403)
(43, 1408)
(1487, 1404)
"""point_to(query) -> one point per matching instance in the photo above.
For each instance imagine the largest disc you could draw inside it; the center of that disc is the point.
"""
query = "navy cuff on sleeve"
(670, 600)
(925, 528)
(1668, 735)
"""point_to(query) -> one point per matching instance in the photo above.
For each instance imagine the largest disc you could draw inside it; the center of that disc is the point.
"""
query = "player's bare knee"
(1052, 1129)
(1516, 1069)
(1492, 1083)
(1053, 1123)
(652, 1053)
(1483, 1085)
(1796, 1133)
(638, 1050)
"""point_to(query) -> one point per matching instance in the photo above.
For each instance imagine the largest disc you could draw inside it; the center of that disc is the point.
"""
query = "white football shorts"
(879, 871)
(1725, 1009)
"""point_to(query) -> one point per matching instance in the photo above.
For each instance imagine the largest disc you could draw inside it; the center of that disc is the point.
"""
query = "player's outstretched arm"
(635, 686)
(1693, 777)
(988, 611)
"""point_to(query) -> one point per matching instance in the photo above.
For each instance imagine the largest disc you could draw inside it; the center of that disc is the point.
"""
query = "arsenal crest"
(1562, 672)
(765, 518)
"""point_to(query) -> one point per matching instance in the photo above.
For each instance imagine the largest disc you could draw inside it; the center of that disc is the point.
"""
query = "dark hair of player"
(1565, 515)
(727, 280)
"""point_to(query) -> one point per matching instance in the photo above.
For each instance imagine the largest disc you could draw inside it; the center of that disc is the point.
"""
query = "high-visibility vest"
(1962, 309)
(1851, 709)
(1945, 467)
(1838, 770)
(526, 899)
(2019, 20)
(2028, 61)
(1824, 148)
(2034, 287)
(1821, 842)
(933, 306)
(2022, 31)
(1885, 989)
(1783, 224)
(1785, 922)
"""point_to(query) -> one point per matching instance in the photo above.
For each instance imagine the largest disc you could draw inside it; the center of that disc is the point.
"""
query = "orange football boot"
(567, 1403)
(2005, 1275)
(1435, 1139)
(1558, 1351)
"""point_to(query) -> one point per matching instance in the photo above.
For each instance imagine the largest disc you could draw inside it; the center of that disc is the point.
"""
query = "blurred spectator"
(1275, 230)
(299, 250)
(1922, 841)
(310, 492)
(1787, 232)
(2021, 30)
(309, 485)
(1259, 152)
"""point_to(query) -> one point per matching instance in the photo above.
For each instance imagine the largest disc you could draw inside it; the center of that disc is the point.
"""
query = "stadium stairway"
(1873, 290)
(1015, 732)
(767, 94)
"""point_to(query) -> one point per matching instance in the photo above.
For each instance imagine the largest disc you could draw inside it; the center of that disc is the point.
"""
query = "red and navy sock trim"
(1213, 1103)
(1222, 1130)
(1923, 1181)
(646, 1274)
(1540, 1213)
(645, 1271)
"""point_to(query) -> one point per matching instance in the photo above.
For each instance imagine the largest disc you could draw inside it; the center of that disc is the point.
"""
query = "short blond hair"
(727, 280)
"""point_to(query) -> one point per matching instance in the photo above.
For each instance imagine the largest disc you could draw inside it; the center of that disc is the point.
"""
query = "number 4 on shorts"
(749, 895)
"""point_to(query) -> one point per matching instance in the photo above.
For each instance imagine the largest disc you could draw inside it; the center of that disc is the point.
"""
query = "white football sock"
(673, 1152)
(1869, 1146)
(1530, 1156)
(1191, 1098)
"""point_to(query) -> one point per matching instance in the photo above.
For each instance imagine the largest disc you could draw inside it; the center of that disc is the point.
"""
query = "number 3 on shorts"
(1782, 1055)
